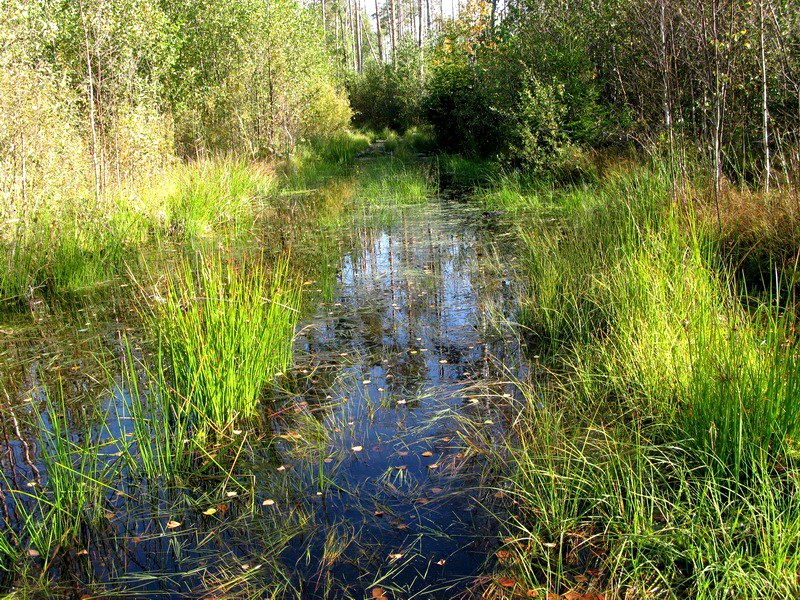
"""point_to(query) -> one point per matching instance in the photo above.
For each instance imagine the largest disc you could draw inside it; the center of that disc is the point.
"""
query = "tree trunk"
(92, 124)
(378, 28)
(393, 30)
(764, 97)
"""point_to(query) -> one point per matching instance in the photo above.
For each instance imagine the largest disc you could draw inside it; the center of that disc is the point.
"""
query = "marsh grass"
(55, 510)
(660, 457)
(64, 244)
(224, 330)
(388, 186)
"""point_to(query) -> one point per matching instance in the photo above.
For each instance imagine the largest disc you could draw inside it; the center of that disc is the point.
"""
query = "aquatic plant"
(54, 507)
(224, 330)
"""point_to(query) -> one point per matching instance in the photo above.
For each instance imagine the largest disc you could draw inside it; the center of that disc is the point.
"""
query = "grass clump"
(225, 329)
(391, 183)
(661, 460)
(66, 492)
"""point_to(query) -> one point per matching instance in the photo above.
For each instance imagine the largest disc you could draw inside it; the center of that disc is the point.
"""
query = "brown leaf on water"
(507, 582)
(222, 508)
(83, 552)
(377, 592)
(427, 453)
(378, 513)
(32, 552)
(173, 524)
(572, 595)
(502, 554)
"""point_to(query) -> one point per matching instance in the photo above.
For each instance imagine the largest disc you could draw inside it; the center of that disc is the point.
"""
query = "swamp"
(412, 299)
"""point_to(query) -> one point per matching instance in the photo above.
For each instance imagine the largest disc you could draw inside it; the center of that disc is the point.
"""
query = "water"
(364, 477)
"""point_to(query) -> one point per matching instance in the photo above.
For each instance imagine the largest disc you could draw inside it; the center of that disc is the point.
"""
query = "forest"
(399, 299)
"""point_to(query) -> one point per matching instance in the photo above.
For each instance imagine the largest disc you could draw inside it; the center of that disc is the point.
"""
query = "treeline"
(96, 94)
(712, 83)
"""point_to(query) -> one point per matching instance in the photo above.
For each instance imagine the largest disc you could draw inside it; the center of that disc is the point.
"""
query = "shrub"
(385, 97)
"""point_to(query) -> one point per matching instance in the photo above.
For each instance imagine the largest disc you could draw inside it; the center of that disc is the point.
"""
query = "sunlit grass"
(225, 330)
(660, 457)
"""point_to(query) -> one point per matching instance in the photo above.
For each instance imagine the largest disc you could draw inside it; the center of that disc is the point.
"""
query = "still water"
(361, 479)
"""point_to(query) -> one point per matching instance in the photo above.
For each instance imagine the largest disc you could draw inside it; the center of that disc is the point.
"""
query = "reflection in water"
(366, 478)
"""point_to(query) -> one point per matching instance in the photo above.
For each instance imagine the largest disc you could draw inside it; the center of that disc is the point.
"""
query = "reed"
(53, 511)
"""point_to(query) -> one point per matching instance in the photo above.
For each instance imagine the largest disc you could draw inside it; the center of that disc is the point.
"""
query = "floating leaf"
(231, 494)
(210, 511)
(268, 503)
(506, 582)
(502, 554)
(377, 592)
(357, 448)
(427, 453)
(440, 562)
(32, 552)
(173, 524)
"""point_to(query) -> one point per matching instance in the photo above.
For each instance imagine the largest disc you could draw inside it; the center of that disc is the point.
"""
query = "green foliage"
(250, 76)
(482, 106)
(670, 436)
(386, 96)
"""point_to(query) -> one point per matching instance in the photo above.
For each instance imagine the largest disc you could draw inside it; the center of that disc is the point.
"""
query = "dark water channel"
(368, 478)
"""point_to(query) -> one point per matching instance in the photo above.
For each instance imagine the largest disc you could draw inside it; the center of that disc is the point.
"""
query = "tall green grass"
(64, 244)
(225, 330)
(665, 459)
(226, 192)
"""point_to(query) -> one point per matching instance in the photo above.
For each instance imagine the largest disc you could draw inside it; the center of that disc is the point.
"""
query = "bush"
(484, 111)
(386, 97)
